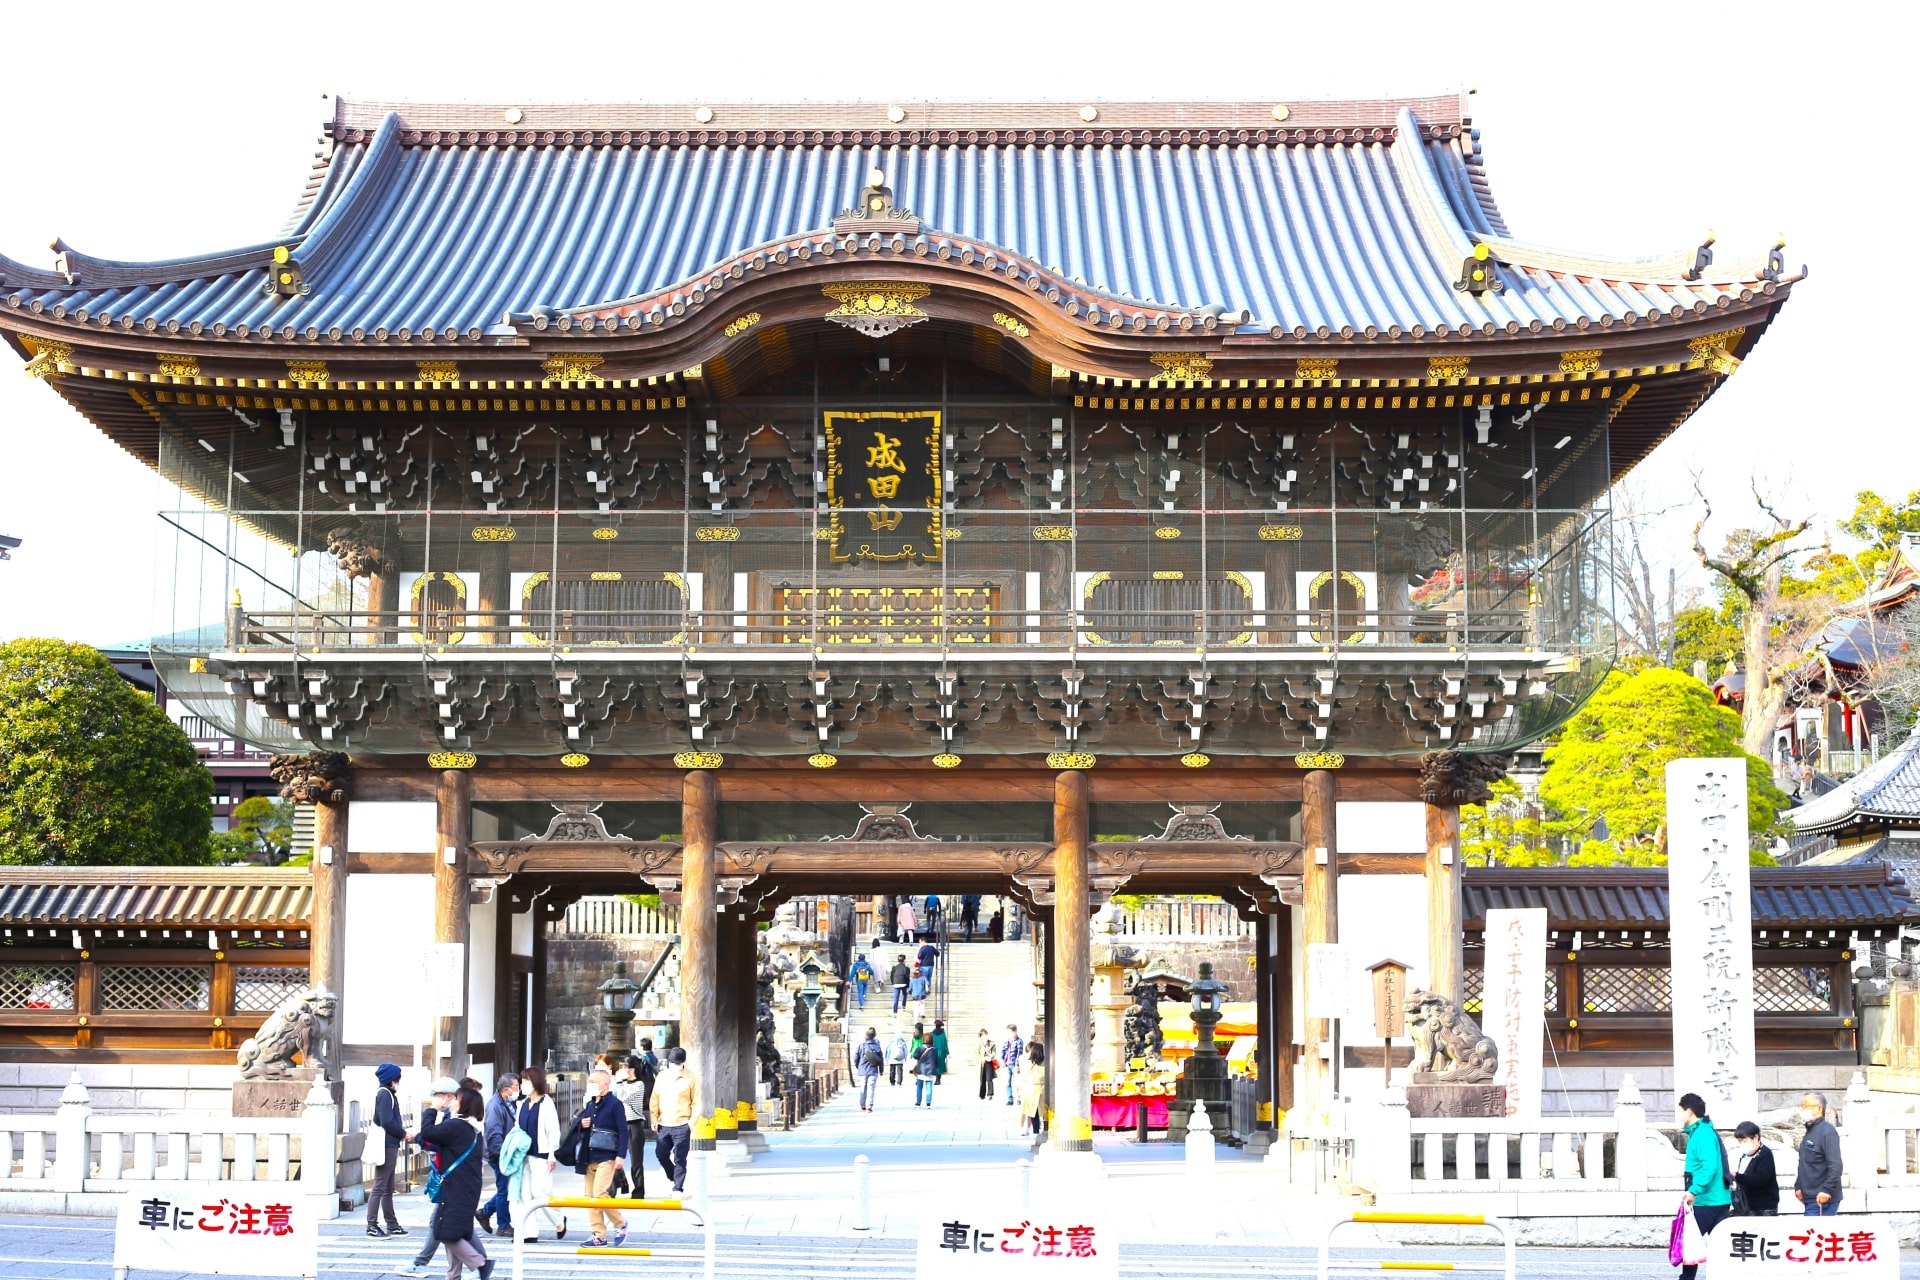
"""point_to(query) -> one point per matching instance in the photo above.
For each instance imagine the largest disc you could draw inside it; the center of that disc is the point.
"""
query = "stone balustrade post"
(1630, 1144)
(1862, 1140)
(71, 1157)
(319, 1156)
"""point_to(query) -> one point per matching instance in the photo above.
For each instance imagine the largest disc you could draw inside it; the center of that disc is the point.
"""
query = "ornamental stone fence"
(76, 1162)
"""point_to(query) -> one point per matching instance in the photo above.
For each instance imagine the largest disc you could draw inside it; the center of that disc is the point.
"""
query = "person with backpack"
(1709, 1185)
(926, 1068)
(862, 975)
(868, 1062)
(917, 990)
(900, 976)
(896, 1057)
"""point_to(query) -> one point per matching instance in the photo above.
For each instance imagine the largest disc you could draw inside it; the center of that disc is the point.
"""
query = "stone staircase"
(989, 985)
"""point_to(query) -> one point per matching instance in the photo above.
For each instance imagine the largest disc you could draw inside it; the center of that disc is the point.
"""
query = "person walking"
(917, 990)
(900, 976)
(1033, 1091)
(989, 1054)
(539, 1117)
(909, 927)
(1011, 1050)
(1817, 1184)
(386, 1118)
(1753, 1175)
(1708, 1184)
(440, 1109)
(969, 914)
(935, 909)
(500, 1107)
(896, 1057)
(862, 976)
(455, 1141)
(603, 1148)
(869, 1060)
(927, 954)
(925, 1071)
(675, 1101)
(635, 1093)
(939, 1039)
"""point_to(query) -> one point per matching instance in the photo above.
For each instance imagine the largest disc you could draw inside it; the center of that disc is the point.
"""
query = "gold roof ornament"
(1181, 366)
(452, 760)
(876, 309)
(572, 366)
(697, 760)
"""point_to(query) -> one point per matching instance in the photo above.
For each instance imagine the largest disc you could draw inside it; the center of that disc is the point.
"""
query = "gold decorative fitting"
(1011, 325)
(1169, 575)
(1196, 759)
(179, 366)
(697, 759)
(575, 760)
(1715, 351)
(1280, 533)
(1069, 760)
(1166, 531)
(438, 371)
(1281, 111)
(896, 114)
(494, 533)
(50, 359)
(1182, 366)
(606, 575)
(1053, 533)
(572, 366)
(513, 115)
(1580, 361)
(197, 666)
(1319, 760)
(716, 533)
(605, 533)
(823, 760)
(314, 371)
(1089, 114)
(452, 760)
(823, 534)
(876, 309)
(703, 115)
(1442, 367)
(1316, 370)
(739, 326)
(946, 760)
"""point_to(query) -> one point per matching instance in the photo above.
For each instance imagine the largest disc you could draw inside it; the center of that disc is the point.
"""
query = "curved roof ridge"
(336, 223)
(1864, 791)
(18, 273)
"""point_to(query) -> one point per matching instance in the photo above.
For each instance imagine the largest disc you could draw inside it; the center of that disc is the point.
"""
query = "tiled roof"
(1889, 790)
(156, 897)
(1636, 898)
(1342, 219)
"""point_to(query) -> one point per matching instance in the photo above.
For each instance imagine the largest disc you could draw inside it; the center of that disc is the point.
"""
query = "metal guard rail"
(1328, 1264)
(707, 1256)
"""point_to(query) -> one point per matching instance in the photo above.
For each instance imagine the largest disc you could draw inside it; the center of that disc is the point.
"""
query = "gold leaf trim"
(179, 366)
(1069, 760)
(1319, 760)
(575, 760)
(697, 759)
(50, 359)
(1053, 533)
(605, 533)
(1166, 531)
(877, 298)
(741, 324)
(716, 533)
(1280, 533)
(1182, 366)
(494, 533)
(438, 371)
(1316, 370)
(606, 575)
(823, 760)
(572, 366)
(1011, 325)
(1196, 759)
(1580, 361)
(946, 760)
(314, 371)
(1169, 575)
(1715, 350)
(452, 760)
(1443, 367)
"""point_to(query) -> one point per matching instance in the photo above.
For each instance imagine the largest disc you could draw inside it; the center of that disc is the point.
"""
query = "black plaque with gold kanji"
(883, 487)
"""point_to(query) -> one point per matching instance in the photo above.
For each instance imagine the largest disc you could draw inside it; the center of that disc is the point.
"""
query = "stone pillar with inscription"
(1710, 916)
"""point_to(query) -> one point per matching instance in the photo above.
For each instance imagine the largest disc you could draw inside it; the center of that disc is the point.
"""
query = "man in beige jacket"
(675, 1103)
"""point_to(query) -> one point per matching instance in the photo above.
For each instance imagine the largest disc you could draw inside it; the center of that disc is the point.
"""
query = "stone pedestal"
(1431, 1099)
(280, 1098)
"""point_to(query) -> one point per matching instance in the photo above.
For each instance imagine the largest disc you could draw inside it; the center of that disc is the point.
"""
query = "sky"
(144, 132)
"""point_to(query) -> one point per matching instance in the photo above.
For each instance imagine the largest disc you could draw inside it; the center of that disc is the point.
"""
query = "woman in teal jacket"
(1706, 1171)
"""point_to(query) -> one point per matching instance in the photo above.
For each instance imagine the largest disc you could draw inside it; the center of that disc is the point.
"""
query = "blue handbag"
(437, 1176)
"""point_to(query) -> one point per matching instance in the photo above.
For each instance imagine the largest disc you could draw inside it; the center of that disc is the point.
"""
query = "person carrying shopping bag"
(1708, 1191)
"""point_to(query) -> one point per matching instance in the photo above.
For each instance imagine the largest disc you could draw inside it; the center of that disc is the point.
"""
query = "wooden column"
(327, 927)
(1072, 1062)
(746, 1032)
(506, 1038)
(494, 607)
(1283, 1051)
(1266, 1024)
(725, 1042)
(1320, 902)
(451, 914)
(1444, 936)
(699, 946)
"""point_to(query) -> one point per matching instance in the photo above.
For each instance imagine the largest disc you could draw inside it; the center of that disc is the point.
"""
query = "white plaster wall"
(392, 826)
(523, 934)
(389, 924)
(1381, 917)
(1380, 826)
(480, 949)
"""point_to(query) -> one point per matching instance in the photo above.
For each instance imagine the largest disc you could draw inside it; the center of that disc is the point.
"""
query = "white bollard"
(1200, 1149)
(1023, 1182)
(698, 1170)
(862, 1194)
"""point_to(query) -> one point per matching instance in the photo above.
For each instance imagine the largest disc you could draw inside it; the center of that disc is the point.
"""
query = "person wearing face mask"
(1817, 1185)
(1754, 1179)
(1708, 1190)
(499, 1120)
(537, 1115)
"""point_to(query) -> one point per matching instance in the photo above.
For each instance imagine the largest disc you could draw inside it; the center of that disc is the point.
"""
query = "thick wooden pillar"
(1284, 1057)
(725, 1050)
(746, 1032)
(494, 608)
(1072, 1062)
(1266, 1025)
(1444, 936)
(507, 1050)
(1320, 907)
(327, 927)
(451, 913)
(699, 946)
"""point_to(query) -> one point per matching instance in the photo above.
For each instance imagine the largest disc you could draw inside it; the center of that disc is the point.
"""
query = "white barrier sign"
(1512, 1001)
(217, 1229)
(1710, 913)
(1854, 1247)
(1329, 979)
(991, 1240)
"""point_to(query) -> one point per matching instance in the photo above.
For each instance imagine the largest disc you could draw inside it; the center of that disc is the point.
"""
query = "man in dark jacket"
(1817, 1185)
(499, 1119)
(899, 976)
(603, 1152)
(386, 1118)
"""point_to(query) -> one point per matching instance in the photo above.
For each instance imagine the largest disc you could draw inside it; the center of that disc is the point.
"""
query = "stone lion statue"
(1447, 1043)
(297, 1029)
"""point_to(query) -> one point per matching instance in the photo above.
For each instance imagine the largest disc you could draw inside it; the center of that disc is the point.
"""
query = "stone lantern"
(1203, 1077)
(617, 996)
(810, 994)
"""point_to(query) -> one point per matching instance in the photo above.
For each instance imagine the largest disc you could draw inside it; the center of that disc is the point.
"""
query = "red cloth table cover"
(1115, 1110)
